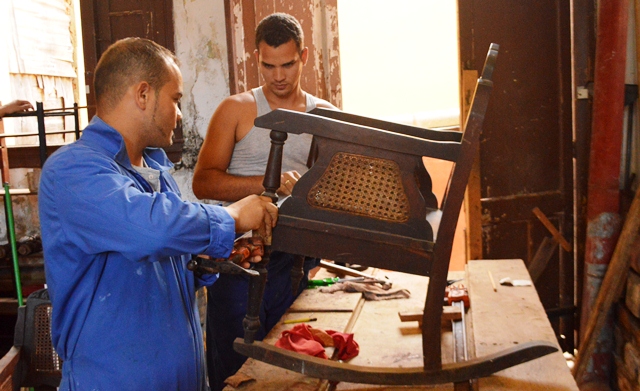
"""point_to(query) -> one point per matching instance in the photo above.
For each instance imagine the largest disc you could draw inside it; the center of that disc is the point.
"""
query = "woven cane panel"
(45, 358)
(362, 185)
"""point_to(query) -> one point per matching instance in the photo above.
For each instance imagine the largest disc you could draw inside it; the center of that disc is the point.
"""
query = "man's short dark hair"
(129, 61)
(279, 28)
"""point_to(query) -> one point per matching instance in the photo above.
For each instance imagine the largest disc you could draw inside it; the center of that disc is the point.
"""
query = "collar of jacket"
(99, 134)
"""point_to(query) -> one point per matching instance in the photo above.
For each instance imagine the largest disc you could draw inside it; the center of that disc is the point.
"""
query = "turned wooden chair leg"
(251, 321)
(297, 272)
(271, 183)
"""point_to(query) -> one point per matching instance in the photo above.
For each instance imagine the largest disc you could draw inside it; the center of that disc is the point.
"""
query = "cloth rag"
(370, 291)
(305, 339)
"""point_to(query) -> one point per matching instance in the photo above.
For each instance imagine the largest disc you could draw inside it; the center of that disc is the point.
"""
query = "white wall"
(202, 50)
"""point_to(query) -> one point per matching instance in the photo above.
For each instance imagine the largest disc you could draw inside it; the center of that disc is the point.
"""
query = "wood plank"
(383, 338)
(8, 364)
(8, 306)
(472, 208)
(540, 260)
(632, 298)
(552, 229)
(513, 315)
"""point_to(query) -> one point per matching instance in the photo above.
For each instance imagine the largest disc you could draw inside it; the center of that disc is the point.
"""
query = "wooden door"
(526, 146)
(106, 21)
(319, 20)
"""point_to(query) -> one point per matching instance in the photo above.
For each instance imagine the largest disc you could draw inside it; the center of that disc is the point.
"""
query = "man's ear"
(142, 94)
(257, 54)
(304, 55)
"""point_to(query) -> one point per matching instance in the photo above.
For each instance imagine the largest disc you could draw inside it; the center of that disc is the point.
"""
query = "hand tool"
(12, 241)
(333, 280)
(337, 269)
(243, 249)
(302, 320)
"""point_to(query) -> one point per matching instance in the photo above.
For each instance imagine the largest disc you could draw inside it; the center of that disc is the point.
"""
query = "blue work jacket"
(124, 309)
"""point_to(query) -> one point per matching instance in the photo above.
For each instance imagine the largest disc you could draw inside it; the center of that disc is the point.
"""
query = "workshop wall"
(202, 50)
(38, 63)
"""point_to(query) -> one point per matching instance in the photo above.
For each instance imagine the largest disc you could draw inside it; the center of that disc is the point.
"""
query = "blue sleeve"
(94, 199)
(206, 280)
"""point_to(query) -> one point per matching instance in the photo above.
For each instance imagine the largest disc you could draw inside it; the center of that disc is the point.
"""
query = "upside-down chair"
(367, 199)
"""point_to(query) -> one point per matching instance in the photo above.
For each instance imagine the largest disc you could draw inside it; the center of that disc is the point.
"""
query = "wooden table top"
(496, 320)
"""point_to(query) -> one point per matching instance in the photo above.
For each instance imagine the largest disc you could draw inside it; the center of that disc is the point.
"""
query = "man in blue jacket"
(117, 236)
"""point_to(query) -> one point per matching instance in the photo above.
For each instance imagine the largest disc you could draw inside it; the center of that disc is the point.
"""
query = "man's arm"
(14, 107)
(231, 121)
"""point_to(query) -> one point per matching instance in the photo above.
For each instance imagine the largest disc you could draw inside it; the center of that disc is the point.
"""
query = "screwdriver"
(332, 280)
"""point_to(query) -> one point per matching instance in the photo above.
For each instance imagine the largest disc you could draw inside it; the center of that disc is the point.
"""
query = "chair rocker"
(367, 199)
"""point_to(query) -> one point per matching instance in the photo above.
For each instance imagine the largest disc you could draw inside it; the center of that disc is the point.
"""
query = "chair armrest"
(424, 133)
(297, 122)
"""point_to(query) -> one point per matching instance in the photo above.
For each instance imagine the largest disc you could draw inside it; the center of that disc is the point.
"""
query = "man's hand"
(14, 107)
(287, 181)
(247, 250)
(252, 212)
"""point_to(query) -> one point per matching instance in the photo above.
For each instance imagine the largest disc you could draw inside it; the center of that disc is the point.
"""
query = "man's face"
(165, 112)
(281, 67)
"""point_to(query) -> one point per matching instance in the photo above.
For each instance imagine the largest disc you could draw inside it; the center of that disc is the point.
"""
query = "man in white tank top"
(231, 165)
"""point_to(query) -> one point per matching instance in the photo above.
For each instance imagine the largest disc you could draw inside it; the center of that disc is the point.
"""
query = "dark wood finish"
(547, 249)
(526, 150)
(251, 321)
(104, 22)
(27, 157)
(449, 373)
(243, 67)
(367, 199)
(552, 229)
(321, 75)
(21, 156)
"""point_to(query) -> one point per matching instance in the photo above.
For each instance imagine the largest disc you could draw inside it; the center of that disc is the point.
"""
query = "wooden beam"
(552, 229)
(472, 206)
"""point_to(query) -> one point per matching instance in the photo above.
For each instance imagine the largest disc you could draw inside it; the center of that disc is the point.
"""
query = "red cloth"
(345, 345)
(305, 339)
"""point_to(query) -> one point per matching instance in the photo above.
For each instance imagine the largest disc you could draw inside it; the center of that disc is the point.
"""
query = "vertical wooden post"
(473, 210)
(4, 155)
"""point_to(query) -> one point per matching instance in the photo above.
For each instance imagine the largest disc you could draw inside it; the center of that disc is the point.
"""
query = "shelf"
(8, 306)
(9, 135)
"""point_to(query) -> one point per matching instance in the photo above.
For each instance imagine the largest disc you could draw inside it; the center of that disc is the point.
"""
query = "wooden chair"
(32, 361)
(368, 200)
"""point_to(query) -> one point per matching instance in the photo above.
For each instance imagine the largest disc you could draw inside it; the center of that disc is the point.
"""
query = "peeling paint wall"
(201, 46)
(202, 50)
(319, 20)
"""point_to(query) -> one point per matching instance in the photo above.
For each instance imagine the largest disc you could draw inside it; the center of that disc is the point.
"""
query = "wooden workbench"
(496, 320)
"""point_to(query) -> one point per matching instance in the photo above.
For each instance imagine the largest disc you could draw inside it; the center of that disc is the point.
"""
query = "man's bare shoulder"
(241, 100)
